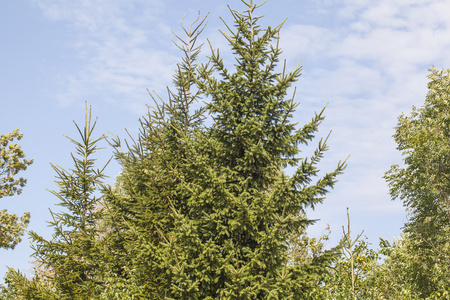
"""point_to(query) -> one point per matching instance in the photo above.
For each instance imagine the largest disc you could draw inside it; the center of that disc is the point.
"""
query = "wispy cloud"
(371, 65)
(118, 44)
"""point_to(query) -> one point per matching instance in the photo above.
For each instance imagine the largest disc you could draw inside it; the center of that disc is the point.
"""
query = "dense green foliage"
(207, 211)
(198, 212)
(203, 207)
(12, 161)
(68, 264)
(423, 184)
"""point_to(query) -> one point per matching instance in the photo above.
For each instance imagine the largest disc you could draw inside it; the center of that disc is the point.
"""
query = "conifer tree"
(198, 211)
(152, 190)
(207, 211)
(69, 264)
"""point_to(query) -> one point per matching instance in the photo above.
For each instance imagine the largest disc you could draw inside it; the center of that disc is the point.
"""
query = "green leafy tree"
(423, 183)
(352, 274)
(406, 272)
(12, 161)
(352, 270)
(347, 271)
(311, 255)
(207, 212)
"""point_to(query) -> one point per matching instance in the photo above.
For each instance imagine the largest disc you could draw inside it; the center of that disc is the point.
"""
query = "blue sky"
(368, 59)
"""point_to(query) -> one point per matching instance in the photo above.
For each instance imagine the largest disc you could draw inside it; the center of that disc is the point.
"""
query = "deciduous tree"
(12, 161)
(423, 182)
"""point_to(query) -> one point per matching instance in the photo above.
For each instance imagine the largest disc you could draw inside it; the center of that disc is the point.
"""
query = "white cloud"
(118, 45)
(306, 39)
(390, 32)
(370, 66)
